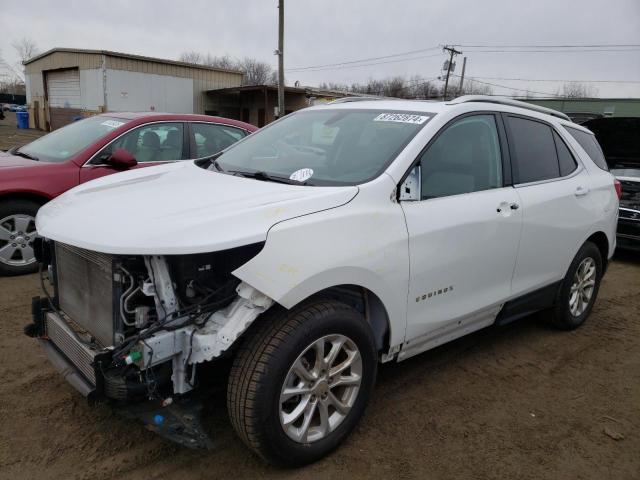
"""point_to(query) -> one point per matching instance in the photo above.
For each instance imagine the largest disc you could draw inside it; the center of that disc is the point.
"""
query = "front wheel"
(301, 382)
(17, 232)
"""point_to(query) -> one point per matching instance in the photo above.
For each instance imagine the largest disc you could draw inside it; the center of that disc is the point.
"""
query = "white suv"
(338, 237)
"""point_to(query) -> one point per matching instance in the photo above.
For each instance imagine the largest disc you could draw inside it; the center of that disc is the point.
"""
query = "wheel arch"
(600, 240)
(30, 196)
(367, 303)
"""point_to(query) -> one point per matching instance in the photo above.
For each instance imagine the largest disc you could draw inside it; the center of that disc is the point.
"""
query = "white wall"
(133, 91)
(34, 86)
(91, 95)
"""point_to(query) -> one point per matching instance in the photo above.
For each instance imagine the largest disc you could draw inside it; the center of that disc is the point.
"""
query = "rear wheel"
(300, 383)
(17, 232)
(579, 288)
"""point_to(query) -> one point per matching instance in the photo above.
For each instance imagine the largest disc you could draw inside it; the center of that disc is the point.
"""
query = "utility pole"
(452, 51)
(280, 58)
(464, 65)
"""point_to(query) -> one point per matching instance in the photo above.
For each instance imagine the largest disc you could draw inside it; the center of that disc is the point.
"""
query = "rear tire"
(579, 288)
(17, 232)
(266, 373)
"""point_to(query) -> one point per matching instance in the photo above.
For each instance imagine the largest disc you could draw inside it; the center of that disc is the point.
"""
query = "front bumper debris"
(180, 422)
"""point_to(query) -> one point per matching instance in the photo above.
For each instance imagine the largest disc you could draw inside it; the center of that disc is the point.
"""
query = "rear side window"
(565, 159)
(533, 148)
(588, 142)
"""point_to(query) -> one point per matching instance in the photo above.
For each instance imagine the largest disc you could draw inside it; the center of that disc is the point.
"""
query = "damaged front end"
(135, 330)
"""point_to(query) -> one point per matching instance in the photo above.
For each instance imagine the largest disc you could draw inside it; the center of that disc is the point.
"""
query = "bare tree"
(191, 57)
(256, 72)
(577, 90)
(473, 88)
(25, 48)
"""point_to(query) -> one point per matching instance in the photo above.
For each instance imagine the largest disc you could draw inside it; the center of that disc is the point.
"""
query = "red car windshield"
(62, 144)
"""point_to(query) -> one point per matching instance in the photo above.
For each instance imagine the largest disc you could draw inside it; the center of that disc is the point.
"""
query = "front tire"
(300, 383)
(579, 288)
(17, 232)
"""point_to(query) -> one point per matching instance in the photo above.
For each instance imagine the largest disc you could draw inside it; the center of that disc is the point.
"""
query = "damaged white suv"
(287, 267)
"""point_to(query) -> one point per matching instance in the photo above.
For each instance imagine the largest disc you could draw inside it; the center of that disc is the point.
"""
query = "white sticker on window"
(112, 123)
(401, 118)
(302, 175)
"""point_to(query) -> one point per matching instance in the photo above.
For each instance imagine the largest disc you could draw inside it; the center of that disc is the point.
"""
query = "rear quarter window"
(590, 145)
(535, 156)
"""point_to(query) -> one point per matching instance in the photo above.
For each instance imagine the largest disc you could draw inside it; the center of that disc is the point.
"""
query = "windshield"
(64, 143)
(325, 147)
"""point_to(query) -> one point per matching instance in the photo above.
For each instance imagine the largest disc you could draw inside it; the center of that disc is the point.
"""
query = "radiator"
(85, 290)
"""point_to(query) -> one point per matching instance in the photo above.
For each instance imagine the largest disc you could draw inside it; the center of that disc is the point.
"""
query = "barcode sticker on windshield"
(401, 118)
(112, 123)
(302, 175)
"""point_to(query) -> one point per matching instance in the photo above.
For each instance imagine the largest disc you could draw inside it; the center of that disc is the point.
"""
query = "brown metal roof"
(131, 56)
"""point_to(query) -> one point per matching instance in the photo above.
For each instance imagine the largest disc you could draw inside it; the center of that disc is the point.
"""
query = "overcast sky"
(333, 31)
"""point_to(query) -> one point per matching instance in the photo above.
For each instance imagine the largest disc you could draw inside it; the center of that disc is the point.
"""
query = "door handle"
(580, 191)
(503, 206)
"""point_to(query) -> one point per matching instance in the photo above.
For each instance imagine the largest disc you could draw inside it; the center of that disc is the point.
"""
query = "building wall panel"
(91, 90)
(136, 91)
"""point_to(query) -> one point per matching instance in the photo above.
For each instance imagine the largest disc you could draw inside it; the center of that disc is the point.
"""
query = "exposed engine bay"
(137, 326)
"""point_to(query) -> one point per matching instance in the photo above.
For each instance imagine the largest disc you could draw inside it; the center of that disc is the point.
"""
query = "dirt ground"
(11, 136)
(521, 401)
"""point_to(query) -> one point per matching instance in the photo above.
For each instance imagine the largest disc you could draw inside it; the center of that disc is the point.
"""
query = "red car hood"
(8, 160)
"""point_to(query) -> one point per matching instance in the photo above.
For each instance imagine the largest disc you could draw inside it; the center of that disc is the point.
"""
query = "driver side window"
(464, 158)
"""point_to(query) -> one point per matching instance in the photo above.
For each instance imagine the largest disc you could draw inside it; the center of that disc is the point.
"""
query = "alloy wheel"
(320, 388)
(17, 233)
(584, 281)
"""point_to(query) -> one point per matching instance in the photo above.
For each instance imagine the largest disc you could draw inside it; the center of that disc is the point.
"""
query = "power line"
(557, 51)
(364, 59)
(364, 64)
(555, 80)
(508, 87)
(550, 46)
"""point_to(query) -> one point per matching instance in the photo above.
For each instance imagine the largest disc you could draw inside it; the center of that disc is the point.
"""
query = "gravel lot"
(521, 401)
(11, 135)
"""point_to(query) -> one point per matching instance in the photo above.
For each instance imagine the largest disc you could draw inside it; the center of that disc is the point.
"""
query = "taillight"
(618, 185)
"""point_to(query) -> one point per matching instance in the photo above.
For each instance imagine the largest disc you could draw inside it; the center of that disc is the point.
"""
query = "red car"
(43, 169)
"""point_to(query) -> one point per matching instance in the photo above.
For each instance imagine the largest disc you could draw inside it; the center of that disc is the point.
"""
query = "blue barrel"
(23, 119)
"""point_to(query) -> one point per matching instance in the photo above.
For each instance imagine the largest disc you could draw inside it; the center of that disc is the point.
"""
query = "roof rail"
(352, 99)
(508, 101)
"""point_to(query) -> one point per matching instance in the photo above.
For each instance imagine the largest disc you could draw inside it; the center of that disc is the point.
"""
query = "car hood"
(8, 160)
(178, 208)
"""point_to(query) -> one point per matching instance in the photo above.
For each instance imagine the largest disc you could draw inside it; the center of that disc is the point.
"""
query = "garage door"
(63, 88)
(63, 91)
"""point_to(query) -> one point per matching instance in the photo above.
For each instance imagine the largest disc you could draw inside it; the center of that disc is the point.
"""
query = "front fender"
(363, 243)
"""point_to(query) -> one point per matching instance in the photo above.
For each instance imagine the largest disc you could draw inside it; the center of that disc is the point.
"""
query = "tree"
(470, 87)
(577, 90)
(25, 48)
(256, 72)
(191, 57)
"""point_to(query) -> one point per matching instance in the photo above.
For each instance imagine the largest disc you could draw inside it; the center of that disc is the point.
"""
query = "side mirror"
(410, 188)
(121, 160)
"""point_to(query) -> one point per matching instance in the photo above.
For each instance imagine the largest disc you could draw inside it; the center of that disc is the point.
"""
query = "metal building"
(63, 84)
(583, 109)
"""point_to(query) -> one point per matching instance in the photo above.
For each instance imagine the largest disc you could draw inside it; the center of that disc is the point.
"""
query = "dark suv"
(620, 141)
